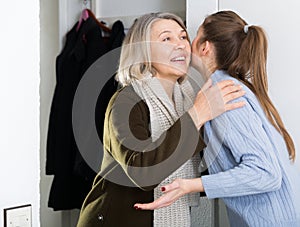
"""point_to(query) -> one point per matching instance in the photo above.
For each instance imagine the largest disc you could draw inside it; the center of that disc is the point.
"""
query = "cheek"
(195, 50)
(195, 57)
(160, 52)
(194, 46)
(189, 48)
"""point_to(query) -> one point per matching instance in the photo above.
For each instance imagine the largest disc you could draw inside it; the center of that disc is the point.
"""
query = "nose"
(180, 44)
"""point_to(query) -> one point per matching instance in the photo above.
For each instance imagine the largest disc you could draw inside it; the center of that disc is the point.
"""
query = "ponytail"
(241, 50)
(253, 56)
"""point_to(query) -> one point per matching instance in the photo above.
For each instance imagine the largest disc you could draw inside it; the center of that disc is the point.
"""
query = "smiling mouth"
(179, 59)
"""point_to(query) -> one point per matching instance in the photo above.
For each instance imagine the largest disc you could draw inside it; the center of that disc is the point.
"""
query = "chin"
(180, 76)
(181, 71)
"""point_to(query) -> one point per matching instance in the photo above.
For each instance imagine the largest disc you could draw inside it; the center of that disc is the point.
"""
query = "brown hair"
(242, 52)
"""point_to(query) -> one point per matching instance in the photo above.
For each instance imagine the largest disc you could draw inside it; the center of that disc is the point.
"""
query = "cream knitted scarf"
(163, 114)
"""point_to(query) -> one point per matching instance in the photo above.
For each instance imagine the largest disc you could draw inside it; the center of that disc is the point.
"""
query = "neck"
(209, 69)
(168, 85)
(205, 64)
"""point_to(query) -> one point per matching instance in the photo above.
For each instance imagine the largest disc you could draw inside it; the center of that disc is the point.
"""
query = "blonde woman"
(151, 131)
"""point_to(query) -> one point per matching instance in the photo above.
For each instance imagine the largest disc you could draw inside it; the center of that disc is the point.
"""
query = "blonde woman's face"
(170, 49)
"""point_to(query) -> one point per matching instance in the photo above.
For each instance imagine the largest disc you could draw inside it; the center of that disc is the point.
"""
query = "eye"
(184, 37)
(166, 39)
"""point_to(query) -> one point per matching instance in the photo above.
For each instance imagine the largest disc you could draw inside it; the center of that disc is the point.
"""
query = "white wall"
(196, 11)
(136, 7)
(130, 9)
(49, 43)
(19, 98)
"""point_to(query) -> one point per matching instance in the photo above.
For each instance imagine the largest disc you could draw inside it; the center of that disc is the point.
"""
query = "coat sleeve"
(128, 139)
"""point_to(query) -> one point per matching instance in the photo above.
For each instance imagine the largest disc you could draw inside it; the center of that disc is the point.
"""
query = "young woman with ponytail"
(249, 152)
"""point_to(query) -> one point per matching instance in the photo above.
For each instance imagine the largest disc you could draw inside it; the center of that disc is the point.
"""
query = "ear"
(205, 48)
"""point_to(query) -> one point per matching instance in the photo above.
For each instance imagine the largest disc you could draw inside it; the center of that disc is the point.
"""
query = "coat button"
(100, 217)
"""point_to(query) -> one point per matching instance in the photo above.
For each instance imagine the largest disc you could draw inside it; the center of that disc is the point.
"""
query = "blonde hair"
(135, 58)
(243, 54)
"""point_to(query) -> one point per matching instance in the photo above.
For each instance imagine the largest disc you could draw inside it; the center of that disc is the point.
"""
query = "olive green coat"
(124, 178)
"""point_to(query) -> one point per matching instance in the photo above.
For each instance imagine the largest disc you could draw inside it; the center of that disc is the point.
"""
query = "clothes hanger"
(102, 26)
(84, 15)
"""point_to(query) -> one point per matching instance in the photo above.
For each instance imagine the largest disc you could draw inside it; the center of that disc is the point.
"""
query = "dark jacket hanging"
(82, 48)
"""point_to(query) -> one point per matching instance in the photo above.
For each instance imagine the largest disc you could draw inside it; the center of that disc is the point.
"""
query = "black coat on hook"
(72, 181)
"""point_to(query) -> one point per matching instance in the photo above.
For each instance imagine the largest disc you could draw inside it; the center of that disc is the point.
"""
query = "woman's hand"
(211, 101)
(172, 192)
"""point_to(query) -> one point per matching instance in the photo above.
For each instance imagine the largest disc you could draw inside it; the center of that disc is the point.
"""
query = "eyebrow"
(168, 31)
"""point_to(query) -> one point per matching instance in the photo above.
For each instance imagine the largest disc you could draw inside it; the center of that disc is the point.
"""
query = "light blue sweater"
(250, 168)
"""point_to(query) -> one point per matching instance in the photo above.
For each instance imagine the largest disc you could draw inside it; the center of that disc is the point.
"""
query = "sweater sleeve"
(128, 139)
(257, 169)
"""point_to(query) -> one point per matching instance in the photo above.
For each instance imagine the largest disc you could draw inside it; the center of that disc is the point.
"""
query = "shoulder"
(249, 98)
(126, 96)
(125, 104)
(242, 118)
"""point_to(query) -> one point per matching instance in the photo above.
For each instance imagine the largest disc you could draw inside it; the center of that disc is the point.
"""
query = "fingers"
(228, 86)
(225, 83)
(213, 100)
(230, 91)
(149, 206)
(232, 106)
(170, 187)
(233, 95)
(169, 196)
(165, 200)
(231, 88)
